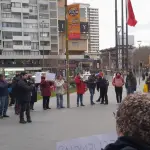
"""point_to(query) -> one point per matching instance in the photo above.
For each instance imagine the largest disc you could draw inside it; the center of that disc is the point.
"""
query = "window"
(32, 1)
(44, 34)
(17, 33)
(25, 16)
(31, 25)
(27, 43)
(19, 52)
(52, 5)
(11, 24)
(43, 7)
(6, 15)
(17, 43)
(35, 45)
(16, 5)
(24, 5)
(61, 11)
(33, 35)
(44, 16)
(33, 17)
(54, 38)
(44, 25)
(54, 47)
(75, 44)
(53, 22)
(53, 30)
(45, 43)
(7, 35)
(53, 14)
(8, 44)
(27, 52)
(6, 7)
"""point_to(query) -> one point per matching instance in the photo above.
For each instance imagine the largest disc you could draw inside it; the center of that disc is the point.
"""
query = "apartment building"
(76, 47)
(29, 30)
(93, 29)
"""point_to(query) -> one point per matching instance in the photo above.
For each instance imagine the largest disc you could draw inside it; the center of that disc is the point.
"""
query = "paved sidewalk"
(54, 125)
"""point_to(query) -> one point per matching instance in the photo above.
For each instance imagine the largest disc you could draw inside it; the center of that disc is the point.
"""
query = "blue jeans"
(92, 92)
(59, 100)
(79, 99)
(130, 90)
(3, 105)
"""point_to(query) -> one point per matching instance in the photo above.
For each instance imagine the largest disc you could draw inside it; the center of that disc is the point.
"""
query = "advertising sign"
(73, 21)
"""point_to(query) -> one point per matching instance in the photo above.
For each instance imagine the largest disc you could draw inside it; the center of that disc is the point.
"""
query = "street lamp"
(42, 24)
(119, 45)
(139, 44)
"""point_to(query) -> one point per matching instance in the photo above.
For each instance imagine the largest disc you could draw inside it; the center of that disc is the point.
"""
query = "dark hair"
(118, 73)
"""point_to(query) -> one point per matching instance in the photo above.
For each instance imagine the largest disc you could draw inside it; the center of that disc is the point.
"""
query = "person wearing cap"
(45, 87)
(24, 91)
(132, 124)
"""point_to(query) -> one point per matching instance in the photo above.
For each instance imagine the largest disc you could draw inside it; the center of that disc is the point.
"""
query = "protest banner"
(95, 142)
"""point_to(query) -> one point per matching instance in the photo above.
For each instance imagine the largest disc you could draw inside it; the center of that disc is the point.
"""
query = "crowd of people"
(22, 91)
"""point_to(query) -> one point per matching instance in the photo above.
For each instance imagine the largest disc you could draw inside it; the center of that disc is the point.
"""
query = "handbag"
(145, 88)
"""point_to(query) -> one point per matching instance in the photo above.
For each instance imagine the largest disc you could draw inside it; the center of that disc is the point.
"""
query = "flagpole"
(116, 32)
(127, 51)
(122, 17)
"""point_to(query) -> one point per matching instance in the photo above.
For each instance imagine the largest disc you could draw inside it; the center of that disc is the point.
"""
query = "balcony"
(21, 38)
(21, 47)
(18, 1)
(45, 47)
(16, 10)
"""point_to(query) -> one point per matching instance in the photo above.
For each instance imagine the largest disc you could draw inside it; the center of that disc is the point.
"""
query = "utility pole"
(116, 32)
(67, 54)
(42, 23)
(122, 8)
(127, 50)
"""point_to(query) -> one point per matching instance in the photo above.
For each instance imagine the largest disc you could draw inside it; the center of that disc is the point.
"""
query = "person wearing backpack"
(118, 83)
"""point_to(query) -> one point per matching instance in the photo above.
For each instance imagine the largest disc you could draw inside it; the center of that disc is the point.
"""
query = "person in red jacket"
(81, 88)
(45, 92)
(118, 83)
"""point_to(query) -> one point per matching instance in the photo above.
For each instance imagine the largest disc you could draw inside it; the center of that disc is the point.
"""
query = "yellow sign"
(74, 22)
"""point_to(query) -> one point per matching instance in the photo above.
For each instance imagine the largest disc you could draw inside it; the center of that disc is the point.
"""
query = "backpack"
(118, 82)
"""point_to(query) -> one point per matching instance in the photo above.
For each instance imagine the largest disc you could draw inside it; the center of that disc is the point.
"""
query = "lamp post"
(42, 23)
(116, 31)
(139, 44)
(67, 53)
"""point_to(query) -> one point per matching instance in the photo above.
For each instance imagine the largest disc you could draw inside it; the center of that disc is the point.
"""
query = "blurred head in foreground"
(133, 117)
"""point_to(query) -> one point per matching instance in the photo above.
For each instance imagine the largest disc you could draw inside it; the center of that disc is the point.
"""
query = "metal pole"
(67, 53)
(43, 44)
(116, 32)
(122, 8)
(127, 51)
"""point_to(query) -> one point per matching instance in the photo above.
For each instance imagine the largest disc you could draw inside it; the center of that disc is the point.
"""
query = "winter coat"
(3, 88)
(24, 91)
(131, 82)
(80, 85)
(118, 82)
(34, 93)
(91, 83)
(102, 83)
(59, 85)
(127, 143)
(45, 87)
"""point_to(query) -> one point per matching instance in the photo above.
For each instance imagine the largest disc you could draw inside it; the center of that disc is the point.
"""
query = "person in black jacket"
(24, 90)
(102, 85)
(91, 83)
(133, 124)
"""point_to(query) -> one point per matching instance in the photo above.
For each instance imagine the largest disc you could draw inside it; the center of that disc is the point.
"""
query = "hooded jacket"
(127, 143)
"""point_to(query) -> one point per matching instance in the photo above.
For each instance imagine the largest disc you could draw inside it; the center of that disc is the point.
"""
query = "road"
(51, 126)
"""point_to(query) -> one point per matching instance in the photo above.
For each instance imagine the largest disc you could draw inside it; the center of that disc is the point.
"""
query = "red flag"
(131, 21)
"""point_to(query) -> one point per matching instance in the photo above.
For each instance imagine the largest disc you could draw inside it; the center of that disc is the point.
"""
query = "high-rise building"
(93, 29)
(29, 29)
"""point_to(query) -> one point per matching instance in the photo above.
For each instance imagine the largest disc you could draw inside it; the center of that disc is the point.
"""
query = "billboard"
(73, 21)
(83, 26)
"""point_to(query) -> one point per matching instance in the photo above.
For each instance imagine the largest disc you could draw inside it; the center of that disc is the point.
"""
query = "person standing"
(102, 85)
(24, 91)
(59, 85)
(81, 88)
(118, 83)
(45, 87)
(92, 85)
(3, 97)
(131, 83)
(33, 92)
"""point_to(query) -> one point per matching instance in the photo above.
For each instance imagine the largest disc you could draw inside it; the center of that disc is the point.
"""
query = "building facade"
(93, 15)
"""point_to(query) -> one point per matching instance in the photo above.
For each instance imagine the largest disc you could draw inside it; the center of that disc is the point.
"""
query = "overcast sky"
(106, 20)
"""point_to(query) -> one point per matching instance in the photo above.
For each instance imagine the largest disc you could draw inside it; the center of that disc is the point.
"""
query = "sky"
(107, 20)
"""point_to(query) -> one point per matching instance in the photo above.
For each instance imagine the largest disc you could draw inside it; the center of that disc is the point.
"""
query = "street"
(54, 125)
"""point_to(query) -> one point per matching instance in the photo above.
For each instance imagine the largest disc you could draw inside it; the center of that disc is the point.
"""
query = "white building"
(93, 29)
(29, 28)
